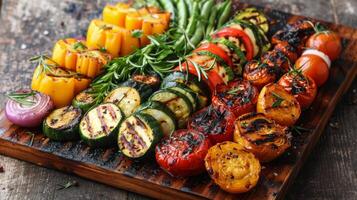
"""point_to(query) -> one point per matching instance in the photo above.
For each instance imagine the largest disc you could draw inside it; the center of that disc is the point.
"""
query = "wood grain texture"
(25, 181)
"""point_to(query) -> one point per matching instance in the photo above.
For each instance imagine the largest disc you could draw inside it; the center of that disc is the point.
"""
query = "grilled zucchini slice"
(255, 17)
(145, 90)
(62, 124)
(162, 114)
(128, 99)
(84, 101)
(191, 95)
(138, 135)
(200, 87)
(177, 102)
(99, 126)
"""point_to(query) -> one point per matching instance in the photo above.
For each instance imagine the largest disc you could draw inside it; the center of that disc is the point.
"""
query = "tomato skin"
(288, 50)
(302, 87)
(314, 67)
(233, 32)
(239, 103)
(183, 153)
(326, 42)
(217, 51)
(205, 121)
(259, 75)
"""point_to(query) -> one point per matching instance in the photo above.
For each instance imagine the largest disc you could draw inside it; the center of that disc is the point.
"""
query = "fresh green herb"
(32, 135)
(68, 185)
(79, 46)
(244, 124)
(103, 49)
(22, 98)
(235, 90)
(278, 100)
(137, 33)
(42, 62)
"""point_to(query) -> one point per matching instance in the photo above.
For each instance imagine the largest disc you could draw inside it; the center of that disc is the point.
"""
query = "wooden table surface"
(30, 27)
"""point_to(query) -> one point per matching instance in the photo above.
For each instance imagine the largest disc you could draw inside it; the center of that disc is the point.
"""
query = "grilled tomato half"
(239, 96)
(261, 136)
(216, 123)
(302, 87)
(259, 74)
(278, 105)
(183, 153)
(232, 168)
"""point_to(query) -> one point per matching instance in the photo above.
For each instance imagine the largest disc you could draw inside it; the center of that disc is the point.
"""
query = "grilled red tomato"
(277, 60)
(216, 123)
(259, 74)
(302, 87)
(183, 153)
(238, 96)
(288, 50)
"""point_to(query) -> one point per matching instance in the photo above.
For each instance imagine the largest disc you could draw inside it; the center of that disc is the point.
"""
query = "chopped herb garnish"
(68, 185)
(103, 49)
(244, 124)
(137, 33)
(22, 98)
(278, 100)
(79, 46)
(235, 90)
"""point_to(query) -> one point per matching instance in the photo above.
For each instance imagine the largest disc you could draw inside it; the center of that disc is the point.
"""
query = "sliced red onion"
(26, 115)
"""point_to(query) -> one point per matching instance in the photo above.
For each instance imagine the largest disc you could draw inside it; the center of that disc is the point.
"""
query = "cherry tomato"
(314, 67)
(233, 32)
(217, 123)
(326, 42)
(302, 87)
(259, 74)
(218, 51)
(277, 60)
(238, 96)
(183, 153)
(288, 50)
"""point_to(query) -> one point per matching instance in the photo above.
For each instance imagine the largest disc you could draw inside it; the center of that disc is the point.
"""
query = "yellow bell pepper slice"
(133, 21)
(80, 84)
(116, 14)
(90, 63)
(66, 51)
(129, 43)
(104, 35)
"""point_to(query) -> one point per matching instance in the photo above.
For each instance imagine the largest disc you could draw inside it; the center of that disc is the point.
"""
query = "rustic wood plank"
(304, 7)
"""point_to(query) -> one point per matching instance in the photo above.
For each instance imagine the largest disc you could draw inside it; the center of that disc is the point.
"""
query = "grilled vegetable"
(259, 74)
(90, 63)
(163, 115)
(216, 123)
(138, 135)
(144, 89)
(116, 14)
(261, 136)
(190, 94)
(99, 126)
(27, 108)
(278, 105)
(232, 168)
(177, 102)
(302, 87)
(289, 51)
(153, 80)
(84, 101)
(278, 61)
(327, 42)
(62, 124)
(314, 64)
(65, 52)
(183, 153)
(199, 87)
(128, 99)
(254, 16)
(48, 78)
(238, 96)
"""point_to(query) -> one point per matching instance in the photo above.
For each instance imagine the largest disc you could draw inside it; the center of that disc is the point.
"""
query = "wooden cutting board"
(110, 167)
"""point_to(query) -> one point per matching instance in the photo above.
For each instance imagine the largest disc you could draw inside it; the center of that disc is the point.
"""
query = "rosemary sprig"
(68, 185)
(278, 100)
(42, 62)
(79, 46)
(22, 98)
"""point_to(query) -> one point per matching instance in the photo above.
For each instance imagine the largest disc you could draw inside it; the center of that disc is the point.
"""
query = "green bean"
(225, 14)
(211, 21)
(197, 37)
(182, 14)
(189, 7)
(168, 5)
(190, 29)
